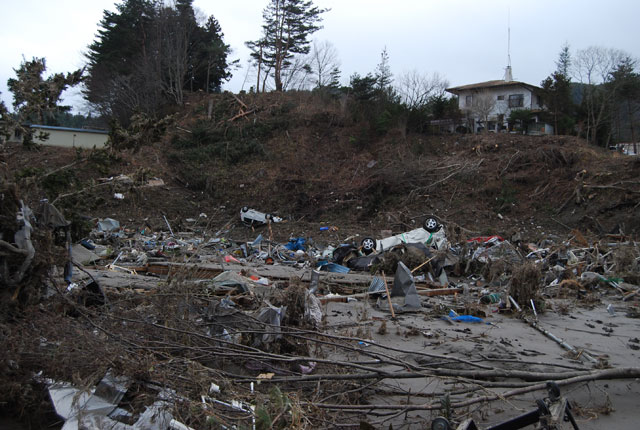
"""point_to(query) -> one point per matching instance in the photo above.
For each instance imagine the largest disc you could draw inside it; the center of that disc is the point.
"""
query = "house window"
(539, 101)
(500, 97)
(468, 100)
(516, 100)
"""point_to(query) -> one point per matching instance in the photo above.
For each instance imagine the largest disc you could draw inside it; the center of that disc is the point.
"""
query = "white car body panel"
(252, 216)
(419, 235)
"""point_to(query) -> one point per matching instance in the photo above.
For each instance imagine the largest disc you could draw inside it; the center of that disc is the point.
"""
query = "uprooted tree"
(35, 98)
(27, 248)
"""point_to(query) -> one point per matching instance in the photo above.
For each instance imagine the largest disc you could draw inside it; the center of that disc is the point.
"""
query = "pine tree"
(558, 94)
(625, 86)
(334, 78)
(287, 25)
(210, 68)
(563, 64)
(383, 75)
(4, 121)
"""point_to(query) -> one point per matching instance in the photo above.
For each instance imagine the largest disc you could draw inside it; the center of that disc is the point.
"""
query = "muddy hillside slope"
(317, 160)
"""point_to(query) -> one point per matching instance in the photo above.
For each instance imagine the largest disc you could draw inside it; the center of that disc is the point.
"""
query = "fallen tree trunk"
(608, 374)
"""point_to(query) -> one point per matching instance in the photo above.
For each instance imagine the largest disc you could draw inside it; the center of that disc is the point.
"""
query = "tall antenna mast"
(507, 73)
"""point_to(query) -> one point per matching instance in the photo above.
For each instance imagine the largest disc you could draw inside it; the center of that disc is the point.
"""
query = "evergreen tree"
(119, 59)
(363, 87)
(558, 94)
(383, 75)
(563, 63)
(210, 68)
(334, 78)
(286, 29)
(146, 55)
(36, 99)
(625, 85)
(4, 121)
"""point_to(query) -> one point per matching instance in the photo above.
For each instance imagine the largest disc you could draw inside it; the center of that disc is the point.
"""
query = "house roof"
(491, 84)
(77, 130)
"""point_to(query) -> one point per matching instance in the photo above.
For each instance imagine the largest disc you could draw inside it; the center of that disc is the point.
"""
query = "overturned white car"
(430, 234)
(253, 217)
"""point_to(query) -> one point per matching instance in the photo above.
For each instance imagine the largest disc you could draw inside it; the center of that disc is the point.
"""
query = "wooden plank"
(426, 293)
(281, 272)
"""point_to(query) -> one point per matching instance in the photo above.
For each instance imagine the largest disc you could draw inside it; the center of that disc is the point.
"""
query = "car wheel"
(368, 245)
(440, 423)
(244, 209)
(431, 224)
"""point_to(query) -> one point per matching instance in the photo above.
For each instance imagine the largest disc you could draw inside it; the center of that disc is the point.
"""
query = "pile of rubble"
(197, 328)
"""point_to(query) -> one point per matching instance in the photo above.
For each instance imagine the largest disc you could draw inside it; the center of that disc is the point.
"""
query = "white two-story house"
(487, 105)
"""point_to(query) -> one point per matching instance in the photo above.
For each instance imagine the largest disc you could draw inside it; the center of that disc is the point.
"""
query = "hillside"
(313, 161)
(207, 310)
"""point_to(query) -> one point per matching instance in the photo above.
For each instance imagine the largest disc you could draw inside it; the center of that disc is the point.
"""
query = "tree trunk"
(208, 73)
(264, 80)
(629, 112)
(259, 70)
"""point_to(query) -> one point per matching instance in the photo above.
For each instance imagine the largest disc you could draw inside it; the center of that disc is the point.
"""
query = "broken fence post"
(386, 288)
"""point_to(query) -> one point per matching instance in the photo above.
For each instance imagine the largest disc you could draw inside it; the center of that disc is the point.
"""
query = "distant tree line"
(408, 103)
(603, 103)
(149, 54)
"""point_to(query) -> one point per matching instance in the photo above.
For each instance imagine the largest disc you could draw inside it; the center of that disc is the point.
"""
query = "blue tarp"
(332, 267)
(464, 318)
(296, 244)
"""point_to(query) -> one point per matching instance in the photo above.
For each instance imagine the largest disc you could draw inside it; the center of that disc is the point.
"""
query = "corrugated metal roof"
(81, 130)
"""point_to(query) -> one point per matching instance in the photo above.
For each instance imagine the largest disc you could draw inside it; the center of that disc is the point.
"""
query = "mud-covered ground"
(316, 169)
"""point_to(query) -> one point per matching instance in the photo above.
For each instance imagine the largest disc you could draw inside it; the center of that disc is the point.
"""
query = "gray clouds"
(463, 40)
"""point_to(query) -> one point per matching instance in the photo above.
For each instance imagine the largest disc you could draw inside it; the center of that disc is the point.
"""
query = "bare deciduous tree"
(483, 105)
(323, 60)
(415, 88)
(592, 68)
(296, 76)
(176, 33)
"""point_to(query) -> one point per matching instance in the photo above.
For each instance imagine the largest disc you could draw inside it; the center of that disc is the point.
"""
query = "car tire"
(244, 209)
(431, 224)
(440, 423)
(368, 245)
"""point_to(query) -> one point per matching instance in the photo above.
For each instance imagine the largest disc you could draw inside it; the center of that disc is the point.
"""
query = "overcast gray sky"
(463, 40)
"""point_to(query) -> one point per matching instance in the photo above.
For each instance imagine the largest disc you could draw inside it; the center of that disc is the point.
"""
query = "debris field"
(201, 328)
(454, 281)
